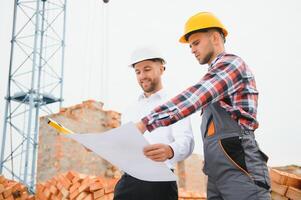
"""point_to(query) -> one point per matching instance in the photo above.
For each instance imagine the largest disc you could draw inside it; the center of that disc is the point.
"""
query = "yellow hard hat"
(202, 20)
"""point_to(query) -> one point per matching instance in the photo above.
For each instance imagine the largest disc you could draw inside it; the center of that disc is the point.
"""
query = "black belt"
(125, 174)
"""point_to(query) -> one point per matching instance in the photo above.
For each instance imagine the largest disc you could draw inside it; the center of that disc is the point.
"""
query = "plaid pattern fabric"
(228, 81)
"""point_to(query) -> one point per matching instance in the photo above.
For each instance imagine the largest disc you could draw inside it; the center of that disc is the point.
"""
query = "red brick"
(1, 188)
(71, 174)
(7, 192)
(2, 179)
(284, 178)
(279, 189)
(31, 197)
(47, 193)
(74, 187)
(96, 186)
(276, 196)
(293, 193)
(9, 197)
(65, 192)
(74, 194)
(64, 181)
(84, 187)
(99, 193)
(89, 197)
(82, 195)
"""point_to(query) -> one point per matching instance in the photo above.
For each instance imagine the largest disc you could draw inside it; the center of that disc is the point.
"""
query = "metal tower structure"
(35, 83)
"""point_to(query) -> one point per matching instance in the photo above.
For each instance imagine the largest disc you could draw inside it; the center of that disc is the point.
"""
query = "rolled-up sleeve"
(223, 80)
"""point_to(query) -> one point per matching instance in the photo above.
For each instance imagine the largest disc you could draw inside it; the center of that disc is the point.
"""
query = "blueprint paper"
(123, 147)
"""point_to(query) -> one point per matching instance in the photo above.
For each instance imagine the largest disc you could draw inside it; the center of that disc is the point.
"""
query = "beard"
(151, 87)
(207, 58)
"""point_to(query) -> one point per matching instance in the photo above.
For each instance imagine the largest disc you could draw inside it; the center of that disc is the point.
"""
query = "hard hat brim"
(151, 58)
(183, 37)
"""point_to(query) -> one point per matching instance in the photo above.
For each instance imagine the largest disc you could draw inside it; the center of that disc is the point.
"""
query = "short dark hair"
(219, 30)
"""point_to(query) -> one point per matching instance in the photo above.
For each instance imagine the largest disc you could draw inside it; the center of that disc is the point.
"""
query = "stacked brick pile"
(75, 186)
(11, 190)
(285, 186)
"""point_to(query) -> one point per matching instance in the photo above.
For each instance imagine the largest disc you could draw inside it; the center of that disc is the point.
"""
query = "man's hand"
(158, 152)
(141, 127)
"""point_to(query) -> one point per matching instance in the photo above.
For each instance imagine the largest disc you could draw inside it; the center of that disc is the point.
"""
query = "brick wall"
(57, 154)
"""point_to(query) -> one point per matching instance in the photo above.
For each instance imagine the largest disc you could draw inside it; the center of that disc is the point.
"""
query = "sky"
(266, 34)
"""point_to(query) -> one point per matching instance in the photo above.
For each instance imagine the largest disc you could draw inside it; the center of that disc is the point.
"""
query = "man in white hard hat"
(228, 98)
(168, 144)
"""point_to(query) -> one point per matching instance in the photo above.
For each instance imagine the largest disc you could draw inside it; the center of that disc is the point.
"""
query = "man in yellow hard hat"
(227, 96)
(167, 144)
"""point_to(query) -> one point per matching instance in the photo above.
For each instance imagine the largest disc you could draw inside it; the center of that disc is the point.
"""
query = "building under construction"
(39, 163)
(31, 152)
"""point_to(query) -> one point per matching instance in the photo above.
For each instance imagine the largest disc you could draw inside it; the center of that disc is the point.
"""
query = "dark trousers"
(130, 188)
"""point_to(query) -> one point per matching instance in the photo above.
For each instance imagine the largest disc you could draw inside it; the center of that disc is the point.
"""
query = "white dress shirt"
(178, 136)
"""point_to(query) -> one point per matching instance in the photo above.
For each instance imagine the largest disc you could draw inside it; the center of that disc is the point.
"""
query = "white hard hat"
(145, 53)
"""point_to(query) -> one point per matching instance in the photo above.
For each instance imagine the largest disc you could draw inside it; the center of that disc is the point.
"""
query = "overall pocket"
(234, 151)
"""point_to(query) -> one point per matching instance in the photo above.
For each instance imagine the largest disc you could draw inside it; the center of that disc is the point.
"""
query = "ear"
(216, 37)
(212, 36)
(162, 69)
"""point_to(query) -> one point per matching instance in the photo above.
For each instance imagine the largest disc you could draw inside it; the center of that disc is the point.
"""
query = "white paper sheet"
(123, 147)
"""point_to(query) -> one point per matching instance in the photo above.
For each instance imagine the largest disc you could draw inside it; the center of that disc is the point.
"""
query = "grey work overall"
(235, 165)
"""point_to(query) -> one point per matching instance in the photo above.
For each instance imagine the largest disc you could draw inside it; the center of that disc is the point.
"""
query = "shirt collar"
(159, 94)
(216, 59)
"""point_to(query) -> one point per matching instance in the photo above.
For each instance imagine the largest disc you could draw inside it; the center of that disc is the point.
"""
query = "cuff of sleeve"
(145, 121)
(174, 159)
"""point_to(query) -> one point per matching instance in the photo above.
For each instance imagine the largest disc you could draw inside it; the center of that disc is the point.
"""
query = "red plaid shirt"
(228, 81)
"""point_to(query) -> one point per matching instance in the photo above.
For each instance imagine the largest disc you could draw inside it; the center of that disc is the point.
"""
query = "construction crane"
(35, 83)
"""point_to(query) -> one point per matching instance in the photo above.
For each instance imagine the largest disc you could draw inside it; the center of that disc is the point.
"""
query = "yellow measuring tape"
(59, 128)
